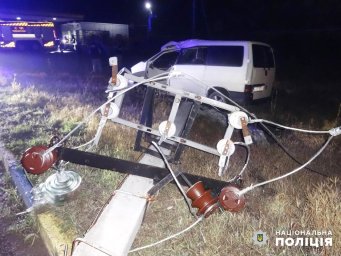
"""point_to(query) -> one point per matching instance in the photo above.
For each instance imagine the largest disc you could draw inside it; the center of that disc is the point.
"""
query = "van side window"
(262, 56)
(192, 56)
(231, 56)
(166, 60)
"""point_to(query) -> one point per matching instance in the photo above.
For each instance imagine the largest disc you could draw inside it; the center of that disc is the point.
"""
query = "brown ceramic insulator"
(230, 199)
(245, 130)
(209, 208)
(196, 190)
(114, 71)
(36, 162)
(202, 199)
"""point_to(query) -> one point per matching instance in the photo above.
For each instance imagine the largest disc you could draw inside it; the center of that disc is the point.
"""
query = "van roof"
(197, 42)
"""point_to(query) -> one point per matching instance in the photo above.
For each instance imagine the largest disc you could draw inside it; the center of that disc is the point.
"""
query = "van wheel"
(218, 97)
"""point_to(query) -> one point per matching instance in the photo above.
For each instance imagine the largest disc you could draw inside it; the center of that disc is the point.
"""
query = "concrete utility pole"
(193, 17)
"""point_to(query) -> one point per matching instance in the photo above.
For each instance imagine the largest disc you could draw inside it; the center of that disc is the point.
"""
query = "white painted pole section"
(117, 226)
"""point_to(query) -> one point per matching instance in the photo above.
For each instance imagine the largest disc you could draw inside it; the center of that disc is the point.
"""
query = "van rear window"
(262, 56)
(231, 56)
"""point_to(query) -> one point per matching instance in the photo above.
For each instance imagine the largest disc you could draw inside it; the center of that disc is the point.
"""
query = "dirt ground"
(16, 238)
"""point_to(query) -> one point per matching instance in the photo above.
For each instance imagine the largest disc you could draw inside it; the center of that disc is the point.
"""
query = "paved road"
(45, 62)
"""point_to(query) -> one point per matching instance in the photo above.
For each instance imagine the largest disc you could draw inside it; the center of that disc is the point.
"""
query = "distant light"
(54, 18)
(23, 35)
(18, 18)
(9, 45)
(148, 5)
(49, 44)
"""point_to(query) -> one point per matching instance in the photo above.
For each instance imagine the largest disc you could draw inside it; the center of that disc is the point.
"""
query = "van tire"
(217, 96)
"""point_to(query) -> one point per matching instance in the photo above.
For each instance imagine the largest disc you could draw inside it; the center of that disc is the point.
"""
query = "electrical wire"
(224, 169)
(87, 118)
(85, 144)
(284, 148)
(213, 88)
(28, 210)
(92, 245)
(169, 237)
(265, 128)
(287, 127)
(186, 199)
(174, 177)
(247, 156)
(245, 190)
(105, 251)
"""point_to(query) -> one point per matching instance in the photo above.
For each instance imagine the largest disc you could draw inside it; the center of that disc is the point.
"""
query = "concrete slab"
(116, 228)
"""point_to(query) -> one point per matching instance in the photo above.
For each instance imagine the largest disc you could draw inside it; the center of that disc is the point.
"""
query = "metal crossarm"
(184, 94)
(124, 166)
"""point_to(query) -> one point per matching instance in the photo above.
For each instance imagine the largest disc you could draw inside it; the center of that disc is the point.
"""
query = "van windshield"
(231, 56)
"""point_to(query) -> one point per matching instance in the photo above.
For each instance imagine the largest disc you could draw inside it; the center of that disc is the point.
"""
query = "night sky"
(213, 18)
(303, 33)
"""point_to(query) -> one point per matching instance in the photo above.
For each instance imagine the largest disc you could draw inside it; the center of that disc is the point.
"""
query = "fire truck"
(24, 35)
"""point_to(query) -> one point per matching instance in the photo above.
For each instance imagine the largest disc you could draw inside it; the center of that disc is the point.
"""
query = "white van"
(242, 70)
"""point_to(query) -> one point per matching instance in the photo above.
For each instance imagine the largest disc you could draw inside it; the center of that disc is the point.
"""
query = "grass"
(306, 201)
(33, 115)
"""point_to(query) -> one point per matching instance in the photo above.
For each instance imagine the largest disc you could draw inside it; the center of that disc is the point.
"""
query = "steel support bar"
(188, 126)
(124, 166)
(175, 107)
(155, 132)
(146, 116)
(184, 94)
(229, 132)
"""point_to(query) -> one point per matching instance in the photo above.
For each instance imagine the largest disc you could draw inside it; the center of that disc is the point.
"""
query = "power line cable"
(265, 128)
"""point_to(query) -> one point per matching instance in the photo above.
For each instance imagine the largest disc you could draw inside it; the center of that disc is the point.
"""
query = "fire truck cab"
(24, 35)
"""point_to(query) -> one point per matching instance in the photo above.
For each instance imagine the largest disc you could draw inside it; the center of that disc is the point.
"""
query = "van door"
(263, 71)
(191, 63)
(226, 67)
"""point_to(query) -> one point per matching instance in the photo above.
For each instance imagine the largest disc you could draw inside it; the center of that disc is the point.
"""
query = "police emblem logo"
(259, 238)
